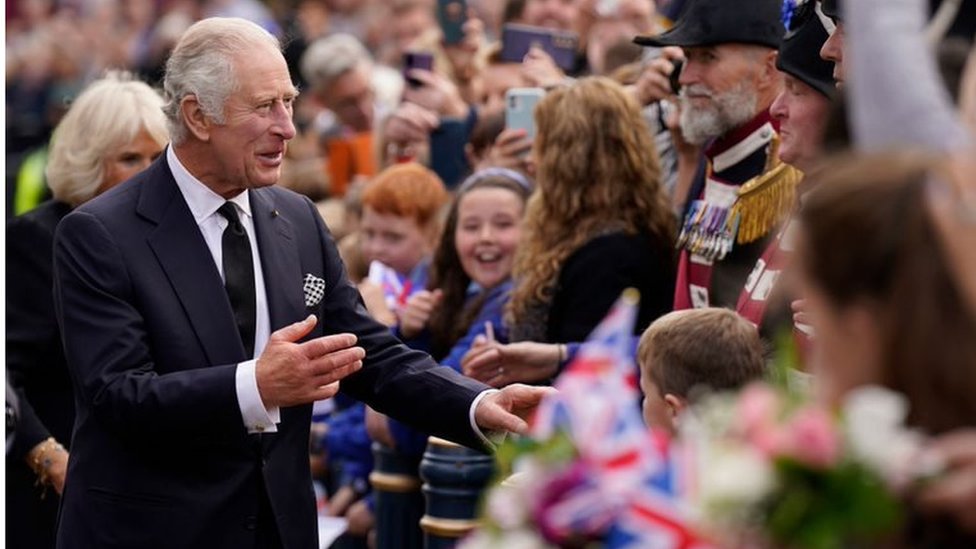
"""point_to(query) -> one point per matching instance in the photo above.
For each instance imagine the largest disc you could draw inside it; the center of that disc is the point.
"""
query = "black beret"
(710, 22)
(832, 9)
(799, 54)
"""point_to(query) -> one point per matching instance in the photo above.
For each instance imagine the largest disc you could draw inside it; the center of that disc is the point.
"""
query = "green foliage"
(558, 450)
(829, 508)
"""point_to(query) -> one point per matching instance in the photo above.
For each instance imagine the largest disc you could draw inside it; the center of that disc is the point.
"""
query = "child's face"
(398, 242)
(487, 233)
(657, 413)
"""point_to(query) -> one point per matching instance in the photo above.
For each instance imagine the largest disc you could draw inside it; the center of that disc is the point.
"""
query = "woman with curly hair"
(599, 221)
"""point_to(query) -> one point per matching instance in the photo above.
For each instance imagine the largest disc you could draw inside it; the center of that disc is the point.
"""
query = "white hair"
(107, 115)
(329, 58)
(727, 111)
(202, 65)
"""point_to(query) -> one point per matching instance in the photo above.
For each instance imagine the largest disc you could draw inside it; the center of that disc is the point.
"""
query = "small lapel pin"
(274, 213)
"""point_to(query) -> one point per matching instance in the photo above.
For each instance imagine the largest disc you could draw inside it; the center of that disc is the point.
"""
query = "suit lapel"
(184, 257)
(279, 261)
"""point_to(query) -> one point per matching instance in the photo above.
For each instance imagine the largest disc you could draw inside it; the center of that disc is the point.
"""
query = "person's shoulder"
(617, 249)
(41, 220)
(124, 195)
(614, 243)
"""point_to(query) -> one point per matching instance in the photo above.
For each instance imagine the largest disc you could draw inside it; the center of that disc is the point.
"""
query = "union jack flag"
(396, 287)
(630, 474)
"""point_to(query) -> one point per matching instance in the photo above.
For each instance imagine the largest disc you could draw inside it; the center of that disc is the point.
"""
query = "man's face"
(249, 147)
(718, 90)
(802, 114)
(833, 50)
(551, 14)
(351, 98)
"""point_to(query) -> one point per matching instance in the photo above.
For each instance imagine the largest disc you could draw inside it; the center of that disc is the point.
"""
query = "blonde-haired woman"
(599, 221)
(112, 131)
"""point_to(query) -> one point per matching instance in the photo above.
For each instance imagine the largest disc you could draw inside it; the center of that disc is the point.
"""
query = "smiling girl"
(473, 265)
(472, 269)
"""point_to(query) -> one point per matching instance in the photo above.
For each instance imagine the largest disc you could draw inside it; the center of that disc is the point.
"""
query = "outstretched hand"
(500, 364)
(508, 410)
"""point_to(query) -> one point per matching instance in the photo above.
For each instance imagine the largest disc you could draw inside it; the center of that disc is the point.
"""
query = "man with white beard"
(728, 81)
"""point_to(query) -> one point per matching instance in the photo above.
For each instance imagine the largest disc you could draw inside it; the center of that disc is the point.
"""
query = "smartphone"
(673, 79)
(560, 45)
(452, 14)
(519, 108)
(416, 60)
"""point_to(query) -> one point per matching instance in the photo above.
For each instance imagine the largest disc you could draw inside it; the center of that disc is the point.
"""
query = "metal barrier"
(454, 479)
(399, 502)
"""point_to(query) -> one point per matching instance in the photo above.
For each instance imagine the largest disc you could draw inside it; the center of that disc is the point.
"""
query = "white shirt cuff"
(474, 424)
(257, 418)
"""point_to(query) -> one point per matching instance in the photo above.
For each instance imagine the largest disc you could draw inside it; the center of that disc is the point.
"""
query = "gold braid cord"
(765, 200)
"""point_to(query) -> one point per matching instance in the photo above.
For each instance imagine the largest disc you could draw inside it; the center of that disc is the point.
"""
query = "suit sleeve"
(110, 359)
(395, 380)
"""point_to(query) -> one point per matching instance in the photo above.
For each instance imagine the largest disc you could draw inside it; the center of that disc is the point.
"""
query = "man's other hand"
(290, 373)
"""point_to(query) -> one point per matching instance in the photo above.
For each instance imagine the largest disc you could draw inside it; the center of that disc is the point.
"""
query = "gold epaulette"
(765, 200)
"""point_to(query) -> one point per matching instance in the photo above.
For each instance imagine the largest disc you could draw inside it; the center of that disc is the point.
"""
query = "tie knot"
(229, 212)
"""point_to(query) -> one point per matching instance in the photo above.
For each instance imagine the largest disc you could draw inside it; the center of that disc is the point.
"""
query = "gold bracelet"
(561, 354)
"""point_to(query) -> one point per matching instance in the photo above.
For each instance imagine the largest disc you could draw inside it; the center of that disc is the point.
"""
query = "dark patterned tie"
(239, 275)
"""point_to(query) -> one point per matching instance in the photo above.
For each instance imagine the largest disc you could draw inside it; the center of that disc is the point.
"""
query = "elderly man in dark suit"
(204, 310)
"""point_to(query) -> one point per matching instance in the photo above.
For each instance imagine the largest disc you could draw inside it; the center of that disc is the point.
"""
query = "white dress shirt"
(203, 204)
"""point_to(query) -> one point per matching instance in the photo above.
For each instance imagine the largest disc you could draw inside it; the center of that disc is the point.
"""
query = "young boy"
(711, 348)
(398, 231)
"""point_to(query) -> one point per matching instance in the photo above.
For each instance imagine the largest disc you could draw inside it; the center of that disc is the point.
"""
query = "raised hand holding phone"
(520, 109)
(451, 15)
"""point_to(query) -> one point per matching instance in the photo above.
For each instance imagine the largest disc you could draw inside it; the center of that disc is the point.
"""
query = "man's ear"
(769, 75)
(195, 119)
(676, 404)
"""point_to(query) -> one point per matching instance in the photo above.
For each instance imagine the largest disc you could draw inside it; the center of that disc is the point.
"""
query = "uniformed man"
(743, 191)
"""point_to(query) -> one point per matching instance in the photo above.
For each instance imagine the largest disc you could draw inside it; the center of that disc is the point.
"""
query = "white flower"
(874, 424)
(507, 505)
(520, 538)
(737, 474)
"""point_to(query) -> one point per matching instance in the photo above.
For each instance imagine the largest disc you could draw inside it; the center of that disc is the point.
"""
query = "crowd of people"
(247, 241)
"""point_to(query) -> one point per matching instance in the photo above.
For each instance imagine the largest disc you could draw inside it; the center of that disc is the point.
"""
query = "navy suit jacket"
(160, 455)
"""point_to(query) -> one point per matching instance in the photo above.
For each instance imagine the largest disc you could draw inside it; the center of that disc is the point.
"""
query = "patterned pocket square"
(314, 288)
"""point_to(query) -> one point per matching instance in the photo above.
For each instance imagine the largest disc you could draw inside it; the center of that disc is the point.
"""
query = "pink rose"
(811, 437)
(757, 412)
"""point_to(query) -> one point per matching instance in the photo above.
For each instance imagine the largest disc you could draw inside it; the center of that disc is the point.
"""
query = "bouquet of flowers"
(764, 467)
(773, 469)
(591, 473)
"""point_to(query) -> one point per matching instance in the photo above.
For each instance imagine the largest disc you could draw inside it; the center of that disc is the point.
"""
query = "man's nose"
(284, 125)
(778, 109)
(690, 74)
